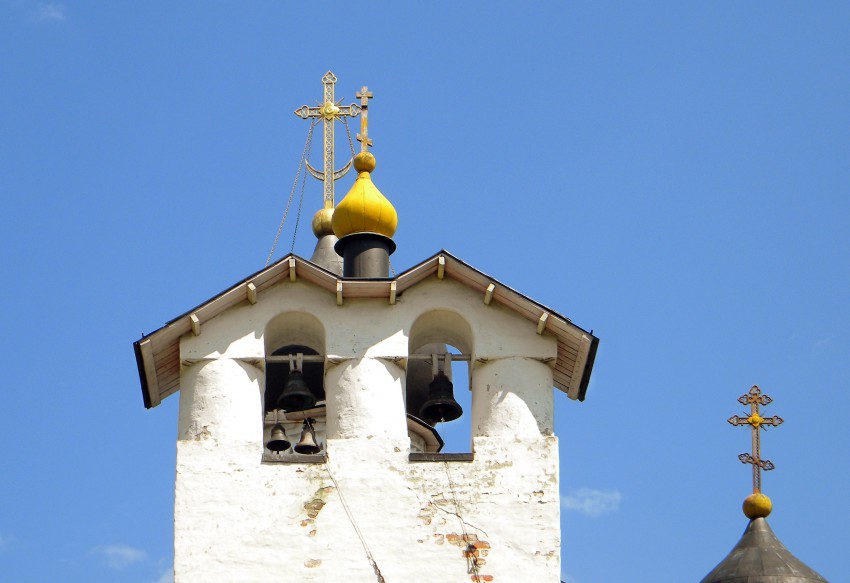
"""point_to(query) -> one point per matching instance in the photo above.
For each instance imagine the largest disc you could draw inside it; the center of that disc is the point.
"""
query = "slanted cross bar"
(329, 111)
(754, 398)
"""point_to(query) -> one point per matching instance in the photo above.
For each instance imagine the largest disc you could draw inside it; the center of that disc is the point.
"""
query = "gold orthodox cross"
(364, 95)
(329, 111)
(754, 398)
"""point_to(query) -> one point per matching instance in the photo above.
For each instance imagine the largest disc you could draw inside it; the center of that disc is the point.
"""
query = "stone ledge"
(441, 457)
(294, 458)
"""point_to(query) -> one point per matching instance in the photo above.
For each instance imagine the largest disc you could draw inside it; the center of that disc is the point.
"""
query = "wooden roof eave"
(149, 345)
(570, 337)
(159, 351)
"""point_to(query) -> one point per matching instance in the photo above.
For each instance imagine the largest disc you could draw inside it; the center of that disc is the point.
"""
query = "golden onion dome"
(364, 209)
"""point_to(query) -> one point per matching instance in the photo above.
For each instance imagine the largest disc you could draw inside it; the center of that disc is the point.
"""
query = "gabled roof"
(759, 557)
(158, 353)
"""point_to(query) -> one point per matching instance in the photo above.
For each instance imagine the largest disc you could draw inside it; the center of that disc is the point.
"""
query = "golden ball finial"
(364, 209)
(322, 222)
(757, 506)
(364, 162)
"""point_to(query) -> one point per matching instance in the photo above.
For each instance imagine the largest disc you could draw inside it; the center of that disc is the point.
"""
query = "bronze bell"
(278, 441)
(441, 404)
(307, 444)
(296, 395)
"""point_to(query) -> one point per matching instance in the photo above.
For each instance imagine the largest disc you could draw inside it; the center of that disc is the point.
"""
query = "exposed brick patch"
(309, 523)
(313, 507)
(462, 540)
(312, 563)
(474, 551)
(426, 515)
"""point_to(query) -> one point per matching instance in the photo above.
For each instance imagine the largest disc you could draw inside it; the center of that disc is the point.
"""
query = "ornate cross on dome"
(754, 398)
(364, 95)
(330, 111)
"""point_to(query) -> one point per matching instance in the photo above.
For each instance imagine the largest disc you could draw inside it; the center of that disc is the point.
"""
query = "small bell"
(307, 443)
(296, 395)
(278, 441)
(441, 404)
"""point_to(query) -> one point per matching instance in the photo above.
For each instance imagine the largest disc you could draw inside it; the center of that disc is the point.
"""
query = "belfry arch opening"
(288, 335)
(294, 392)
(438, 378)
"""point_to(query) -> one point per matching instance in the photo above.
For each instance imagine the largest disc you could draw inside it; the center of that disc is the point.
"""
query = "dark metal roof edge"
(140, 364)
(146, 397)
(533, 301)
(585, 374)
(235, 285)
(588, 368)
(420, 264)
(594, 340)
(335, 276)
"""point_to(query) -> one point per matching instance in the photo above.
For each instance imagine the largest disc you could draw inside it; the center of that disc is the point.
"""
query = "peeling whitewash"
(495, 518)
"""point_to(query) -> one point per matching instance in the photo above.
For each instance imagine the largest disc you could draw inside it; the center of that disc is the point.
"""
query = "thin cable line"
(298, 216)
(354, 524)
(304, 155)
(348, 133)
(471, 559)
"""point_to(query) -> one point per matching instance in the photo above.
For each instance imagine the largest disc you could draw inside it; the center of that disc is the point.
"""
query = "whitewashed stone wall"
(493, 519)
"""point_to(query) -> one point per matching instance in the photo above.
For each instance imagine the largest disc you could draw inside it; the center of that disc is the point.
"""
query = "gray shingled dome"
(759, 557)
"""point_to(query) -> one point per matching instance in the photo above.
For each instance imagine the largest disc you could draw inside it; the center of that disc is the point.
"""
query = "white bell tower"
(310, 411)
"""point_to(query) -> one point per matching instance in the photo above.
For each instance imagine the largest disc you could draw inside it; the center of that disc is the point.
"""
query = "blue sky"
(674, 177)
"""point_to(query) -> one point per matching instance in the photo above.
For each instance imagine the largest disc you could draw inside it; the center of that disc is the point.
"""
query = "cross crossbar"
(329, 111)
(754, 398)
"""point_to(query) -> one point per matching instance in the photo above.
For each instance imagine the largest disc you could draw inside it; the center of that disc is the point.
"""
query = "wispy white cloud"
(591, 502)
(119, 556)
(167, 576)
(51, 11)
